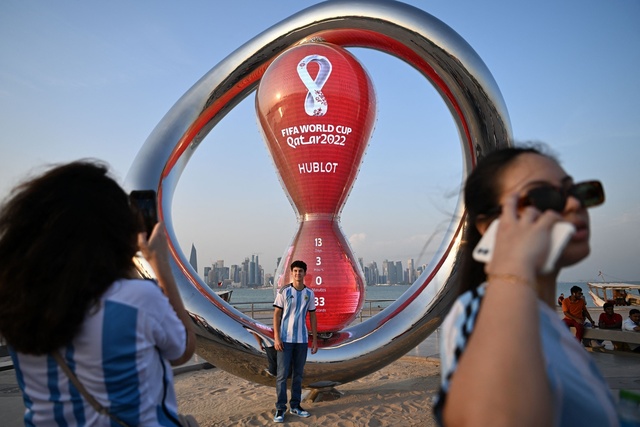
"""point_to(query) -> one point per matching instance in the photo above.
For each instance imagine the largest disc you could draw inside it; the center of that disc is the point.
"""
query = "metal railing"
(262, 311)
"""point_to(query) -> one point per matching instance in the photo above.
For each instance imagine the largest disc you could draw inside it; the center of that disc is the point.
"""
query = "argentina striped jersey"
(295, 305)
(120, 356)
(580, 394)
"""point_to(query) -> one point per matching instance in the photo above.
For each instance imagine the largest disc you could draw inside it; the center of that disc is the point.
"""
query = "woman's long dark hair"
(65, 237)
(481, 195)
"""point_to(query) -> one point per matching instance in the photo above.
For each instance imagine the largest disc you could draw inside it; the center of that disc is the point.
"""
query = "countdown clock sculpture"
(233, 341)
(316, 107)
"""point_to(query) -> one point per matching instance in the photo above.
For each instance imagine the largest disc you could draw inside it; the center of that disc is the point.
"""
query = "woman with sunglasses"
(507, 358)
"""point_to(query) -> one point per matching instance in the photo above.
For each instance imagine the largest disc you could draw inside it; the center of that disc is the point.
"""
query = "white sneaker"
(596, 344)
(299, 412)
(279, 417)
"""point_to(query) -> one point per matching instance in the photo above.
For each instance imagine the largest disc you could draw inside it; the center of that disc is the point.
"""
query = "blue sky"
(92, 79)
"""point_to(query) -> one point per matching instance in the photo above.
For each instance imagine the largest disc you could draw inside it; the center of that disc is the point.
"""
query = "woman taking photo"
(68, 287)
(507, 358)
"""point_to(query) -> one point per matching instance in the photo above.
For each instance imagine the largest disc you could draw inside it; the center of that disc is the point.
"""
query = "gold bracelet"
(509, 278)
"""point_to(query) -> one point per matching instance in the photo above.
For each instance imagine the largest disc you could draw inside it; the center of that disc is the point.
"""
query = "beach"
(398, 395)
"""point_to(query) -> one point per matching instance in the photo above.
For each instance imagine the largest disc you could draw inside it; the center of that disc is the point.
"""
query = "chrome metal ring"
(233, 341)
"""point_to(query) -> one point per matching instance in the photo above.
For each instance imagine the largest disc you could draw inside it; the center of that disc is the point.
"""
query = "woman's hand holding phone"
(144, 205)
(154, 246)
(560, 235)
(530, 241)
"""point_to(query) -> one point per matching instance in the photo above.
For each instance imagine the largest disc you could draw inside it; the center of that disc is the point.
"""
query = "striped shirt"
(120, 356)
(295, 305)
(580, 395)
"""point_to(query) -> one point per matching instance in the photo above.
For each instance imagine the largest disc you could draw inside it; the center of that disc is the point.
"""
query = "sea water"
(381, 292)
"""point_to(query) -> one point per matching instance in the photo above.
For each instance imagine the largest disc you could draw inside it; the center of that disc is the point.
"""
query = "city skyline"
(217, 274)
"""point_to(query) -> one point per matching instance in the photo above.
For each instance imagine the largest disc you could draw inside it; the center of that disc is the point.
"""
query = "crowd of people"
(576, 314)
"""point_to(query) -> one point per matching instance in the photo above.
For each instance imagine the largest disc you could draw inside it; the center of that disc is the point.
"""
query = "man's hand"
(313, 320)
(277, 322)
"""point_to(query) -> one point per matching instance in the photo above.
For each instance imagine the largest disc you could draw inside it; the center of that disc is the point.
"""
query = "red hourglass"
(316, 107)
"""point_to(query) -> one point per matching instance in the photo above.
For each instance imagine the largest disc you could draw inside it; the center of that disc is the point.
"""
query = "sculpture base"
(323, 394)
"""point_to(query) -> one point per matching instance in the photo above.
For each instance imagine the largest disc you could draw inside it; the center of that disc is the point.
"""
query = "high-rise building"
(207, 279)
(411, 271)
(243, 278)
(244, 273)
(399, 274)
(389, 271)
(393, 273)
(257, 278)
(193, 258)
(371, 274)
(261, 276)
(375, 273)
(234, 273)
(252, 271)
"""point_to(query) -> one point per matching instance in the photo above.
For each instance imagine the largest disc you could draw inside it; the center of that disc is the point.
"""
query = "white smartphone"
(560, 235)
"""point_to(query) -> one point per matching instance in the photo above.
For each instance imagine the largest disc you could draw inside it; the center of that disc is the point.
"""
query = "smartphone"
(145, 206)
(560, 235)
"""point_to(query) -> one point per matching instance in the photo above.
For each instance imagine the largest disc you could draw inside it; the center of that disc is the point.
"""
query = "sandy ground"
(397, 395)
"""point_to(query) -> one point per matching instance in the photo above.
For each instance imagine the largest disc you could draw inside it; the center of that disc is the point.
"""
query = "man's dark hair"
(299, 264)
(607, 305)
(575, 289)
(633, 311)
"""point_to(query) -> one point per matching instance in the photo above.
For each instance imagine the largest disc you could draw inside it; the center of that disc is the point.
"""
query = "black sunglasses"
(589, 193)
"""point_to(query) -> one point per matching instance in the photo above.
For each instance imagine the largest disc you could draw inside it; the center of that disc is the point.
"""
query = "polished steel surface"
(231, 340)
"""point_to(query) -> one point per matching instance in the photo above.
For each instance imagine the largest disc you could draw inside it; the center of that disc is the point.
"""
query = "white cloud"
(357, 239)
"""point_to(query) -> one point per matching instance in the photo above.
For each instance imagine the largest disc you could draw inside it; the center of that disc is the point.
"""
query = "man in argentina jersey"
(291, 339)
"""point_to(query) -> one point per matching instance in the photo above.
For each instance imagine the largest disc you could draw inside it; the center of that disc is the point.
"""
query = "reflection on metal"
(233, 341)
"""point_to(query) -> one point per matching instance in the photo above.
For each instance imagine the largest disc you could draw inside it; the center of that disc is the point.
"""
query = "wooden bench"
(612, 335)
(5, 361)
(620, 339)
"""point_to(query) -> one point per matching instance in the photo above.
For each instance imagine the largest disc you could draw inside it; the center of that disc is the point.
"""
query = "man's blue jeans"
(291, 359)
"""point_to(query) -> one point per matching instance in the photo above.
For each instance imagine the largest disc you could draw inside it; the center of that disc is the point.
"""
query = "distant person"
(68, 286)
(506, 358)
(609, 320)
(632, 323)
(291, 339)
(575, 312)
(620, 297)
(560, 299)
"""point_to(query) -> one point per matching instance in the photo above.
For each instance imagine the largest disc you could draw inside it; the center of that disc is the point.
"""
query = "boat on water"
(619, 293)
(225, 295)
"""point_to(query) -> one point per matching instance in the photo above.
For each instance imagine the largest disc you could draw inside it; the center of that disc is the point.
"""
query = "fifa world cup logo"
(316, 106)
